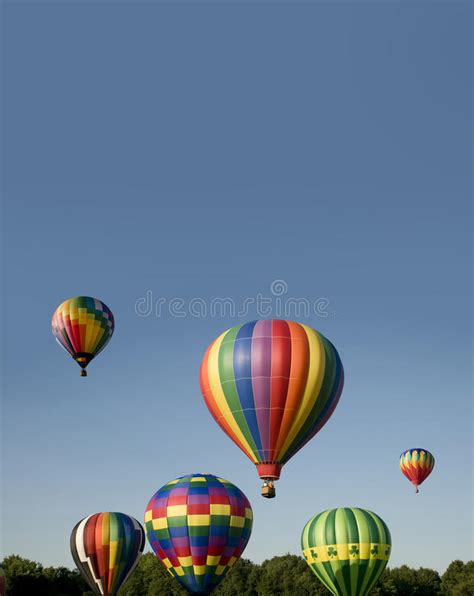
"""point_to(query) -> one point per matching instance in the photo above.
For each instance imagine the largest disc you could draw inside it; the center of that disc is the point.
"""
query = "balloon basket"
(83, 373)
(268, 490)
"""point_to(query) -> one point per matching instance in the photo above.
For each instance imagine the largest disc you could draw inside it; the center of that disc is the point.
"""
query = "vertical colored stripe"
(220, 411)
(300, 357)
(261, 371)
(315, 377)
(280, 376)
(242, 374)
(226, 402)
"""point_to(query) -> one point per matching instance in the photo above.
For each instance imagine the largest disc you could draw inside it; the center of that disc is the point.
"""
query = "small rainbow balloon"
(83, 326)
(417, 464)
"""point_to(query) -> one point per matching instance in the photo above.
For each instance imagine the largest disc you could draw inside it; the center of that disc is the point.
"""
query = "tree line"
(288, 575)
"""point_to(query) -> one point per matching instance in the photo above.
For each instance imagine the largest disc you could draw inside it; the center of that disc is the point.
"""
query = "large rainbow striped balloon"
(417, 464)
(106, 548)
(271, 385)
(198, 526)
(347, 549)
(83, 326)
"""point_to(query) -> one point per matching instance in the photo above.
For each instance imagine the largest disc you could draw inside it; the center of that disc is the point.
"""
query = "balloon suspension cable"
(268, 489)
(83, 372)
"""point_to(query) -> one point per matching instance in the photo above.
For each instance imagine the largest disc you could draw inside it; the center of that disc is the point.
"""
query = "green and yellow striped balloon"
(347, 549)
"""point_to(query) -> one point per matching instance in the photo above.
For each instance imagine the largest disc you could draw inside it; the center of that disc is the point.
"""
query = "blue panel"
(243, 379)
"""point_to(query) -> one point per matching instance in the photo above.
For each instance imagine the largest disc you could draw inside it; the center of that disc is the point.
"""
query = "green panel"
(227, 380)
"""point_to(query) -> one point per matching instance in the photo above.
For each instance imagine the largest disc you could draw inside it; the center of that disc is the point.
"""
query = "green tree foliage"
(25, 578)
(405, 581)
(458, 579)
(150, 578)
(281, 576)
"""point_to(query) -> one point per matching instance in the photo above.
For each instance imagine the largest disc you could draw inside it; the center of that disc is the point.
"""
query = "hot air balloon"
(347, 549)
(83, 326)
(106, 548)
(271, 385)
(198, 526)
(416, 464)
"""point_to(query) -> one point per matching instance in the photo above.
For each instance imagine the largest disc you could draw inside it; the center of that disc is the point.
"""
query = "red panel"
(298, 378)
(281, 366)
(198, 509)
(177, 499)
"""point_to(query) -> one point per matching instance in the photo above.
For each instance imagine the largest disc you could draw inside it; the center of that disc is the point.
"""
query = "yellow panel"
(320, 554)
(199, 569)
(218, 509)
(160, 523)
(179, 571)
(220, 569)
(199, 520)
(213, 559)
(237, 521)
(248, 513)
(364, 551)
(167, 562)
(176, 510)
(185, 561)
(148, 515)
(113, 548)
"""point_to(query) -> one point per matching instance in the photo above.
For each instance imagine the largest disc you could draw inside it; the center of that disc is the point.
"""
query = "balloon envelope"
(347, 549)
(416, 464)
(106, 548)
(198, 526)
(271, 385)
(83, 326)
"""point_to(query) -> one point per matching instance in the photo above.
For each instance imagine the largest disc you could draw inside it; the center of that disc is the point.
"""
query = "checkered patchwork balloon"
(83, 326)
(198, 526)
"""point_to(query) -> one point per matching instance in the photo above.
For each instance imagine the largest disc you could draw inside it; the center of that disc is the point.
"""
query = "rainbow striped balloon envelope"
(83, 326)
(347, 549)
(198, 526)
(271, 385)
(417, 464)
(106, 548)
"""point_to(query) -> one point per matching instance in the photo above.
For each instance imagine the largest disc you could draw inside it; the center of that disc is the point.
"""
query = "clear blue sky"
(205, 150)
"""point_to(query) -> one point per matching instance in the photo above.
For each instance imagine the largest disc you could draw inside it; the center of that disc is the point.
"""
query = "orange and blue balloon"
(271, 385)
(83, 326)
(417, 464)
